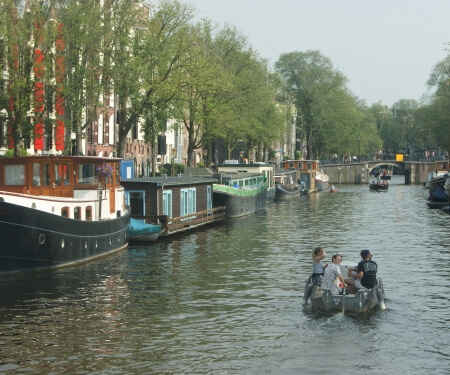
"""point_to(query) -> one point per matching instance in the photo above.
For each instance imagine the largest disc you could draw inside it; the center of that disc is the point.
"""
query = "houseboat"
(307, 170)
(59, 210)
(268, 170)
(286, 184)
(241, 193)
(178, 203)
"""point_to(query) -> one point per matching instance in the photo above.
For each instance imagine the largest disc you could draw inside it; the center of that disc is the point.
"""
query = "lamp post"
(359, 141)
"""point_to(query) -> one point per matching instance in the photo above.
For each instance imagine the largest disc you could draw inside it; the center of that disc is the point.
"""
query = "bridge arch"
(380, 163)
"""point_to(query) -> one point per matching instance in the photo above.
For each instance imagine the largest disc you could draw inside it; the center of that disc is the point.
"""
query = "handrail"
(181, 223)
(241, 192)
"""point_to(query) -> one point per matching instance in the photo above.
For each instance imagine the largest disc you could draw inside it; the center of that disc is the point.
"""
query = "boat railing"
(241, 192)
(172, 225)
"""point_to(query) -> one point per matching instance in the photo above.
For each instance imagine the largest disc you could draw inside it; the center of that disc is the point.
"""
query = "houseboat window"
(62, 174)
(65, 212)
(77, 213)
(192, 200)
(14, 175)
(87, 174)
(46, 175)
(208, 197)
(36, 174)
(309, 165)
(88, 212)
(188, 201)
(291, 165)
(167, 203)
(136, 200)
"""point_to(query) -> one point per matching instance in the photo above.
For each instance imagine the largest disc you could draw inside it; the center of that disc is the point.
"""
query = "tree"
(437, 112)
(148, 74)
(86, 46)
(26, 40)
(316, 88)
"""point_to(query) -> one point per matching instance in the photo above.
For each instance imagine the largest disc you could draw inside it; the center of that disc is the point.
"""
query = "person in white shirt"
(333, 276)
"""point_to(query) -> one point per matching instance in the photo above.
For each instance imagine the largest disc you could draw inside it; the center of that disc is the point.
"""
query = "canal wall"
(354, 173)
(358, 173)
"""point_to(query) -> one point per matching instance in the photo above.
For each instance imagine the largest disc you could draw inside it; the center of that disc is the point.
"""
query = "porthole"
(96, 244)
(110, 241)
(33, 205)
(85, 244)
(41, 239)
(62, 243)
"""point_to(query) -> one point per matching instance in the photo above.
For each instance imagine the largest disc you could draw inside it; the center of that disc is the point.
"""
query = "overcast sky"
(386, 48)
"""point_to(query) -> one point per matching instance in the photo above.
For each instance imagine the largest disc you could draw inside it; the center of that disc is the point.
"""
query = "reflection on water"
(227, 299)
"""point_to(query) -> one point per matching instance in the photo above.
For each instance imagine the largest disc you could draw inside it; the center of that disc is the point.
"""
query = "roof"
(170, 181)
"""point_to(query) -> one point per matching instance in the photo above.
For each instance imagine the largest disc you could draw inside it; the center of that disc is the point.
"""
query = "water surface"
(227, 299)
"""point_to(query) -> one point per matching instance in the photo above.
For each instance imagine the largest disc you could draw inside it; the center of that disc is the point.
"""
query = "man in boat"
(366, 273)
(332, 275)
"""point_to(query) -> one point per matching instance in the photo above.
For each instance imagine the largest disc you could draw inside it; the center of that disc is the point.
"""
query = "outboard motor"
(380, 295)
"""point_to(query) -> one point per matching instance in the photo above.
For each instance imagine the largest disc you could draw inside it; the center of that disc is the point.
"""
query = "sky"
(386, 48)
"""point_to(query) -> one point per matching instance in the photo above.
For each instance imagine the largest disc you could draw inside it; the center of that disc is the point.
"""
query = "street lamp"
(359, 141)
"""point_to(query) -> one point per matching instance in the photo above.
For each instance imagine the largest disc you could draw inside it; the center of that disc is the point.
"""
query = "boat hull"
(378, 187)
(362, 302)
(322, 185)
(282, 192)
(143, 238)
(141, 232)
(242, 202)
(36, 240)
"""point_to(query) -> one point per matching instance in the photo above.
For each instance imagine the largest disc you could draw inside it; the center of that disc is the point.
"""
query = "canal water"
(227, 299)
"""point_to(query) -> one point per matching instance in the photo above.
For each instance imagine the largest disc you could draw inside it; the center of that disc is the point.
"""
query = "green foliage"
(11, 153)
(178, 168)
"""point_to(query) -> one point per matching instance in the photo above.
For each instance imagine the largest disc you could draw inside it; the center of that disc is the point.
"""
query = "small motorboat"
(140, 231)
(381, 185)
(363, 301)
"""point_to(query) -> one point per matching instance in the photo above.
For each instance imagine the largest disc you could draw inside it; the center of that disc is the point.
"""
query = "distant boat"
(322, 181)
(140, 231)
(59, 210)
(379, 186)
(386, 175)
(307, 170)
(333, 189)
(439, 191)
(441, 168)
(286, 184)
(241, 193)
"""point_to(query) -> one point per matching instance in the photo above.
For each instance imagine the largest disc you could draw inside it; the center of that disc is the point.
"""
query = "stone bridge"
(359, 173)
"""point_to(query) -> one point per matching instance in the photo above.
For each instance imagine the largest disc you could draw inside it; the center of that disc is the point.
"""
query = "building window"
(88, 213)
(77, 213)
